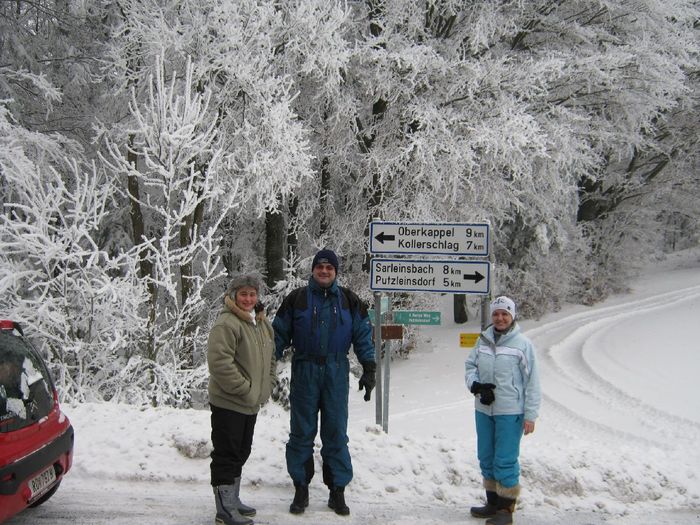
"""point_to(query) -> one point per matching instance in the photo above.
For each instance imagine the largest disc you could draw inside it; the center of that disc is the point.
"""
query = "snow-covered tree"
(79, 302)
(228, 135)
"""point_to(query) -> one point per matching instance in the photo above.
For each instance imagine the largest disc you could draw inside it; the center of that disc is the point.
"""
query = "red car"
(36, 438)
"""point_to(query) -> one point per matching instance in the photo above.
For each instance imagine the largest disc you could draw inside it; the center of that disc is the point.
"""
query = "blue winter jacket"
(511, 365)
(320, 321)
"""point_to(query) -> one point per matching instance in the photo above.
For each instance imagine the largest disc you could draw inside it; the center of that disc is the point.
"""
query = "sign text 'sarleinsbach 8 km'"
(458, 239)
(430, 276)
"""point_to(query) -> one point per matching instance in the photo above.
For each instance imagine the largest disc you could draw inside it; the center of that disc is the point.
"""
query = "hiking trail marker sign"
(416, 317)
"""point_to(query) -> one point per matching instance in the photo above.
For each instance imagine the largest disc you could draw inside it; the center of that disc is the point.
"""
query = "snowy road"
(616, 443)
(165, 503)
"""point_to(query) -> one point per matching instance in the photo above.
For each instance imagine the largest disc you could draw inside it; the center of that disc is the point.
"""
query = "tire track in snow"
(591, 400)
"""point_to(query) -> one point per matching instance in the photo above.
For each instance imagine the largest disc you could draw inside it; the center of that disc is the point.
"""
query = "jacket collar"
(232, 307)
(316, 288)
(490, 335)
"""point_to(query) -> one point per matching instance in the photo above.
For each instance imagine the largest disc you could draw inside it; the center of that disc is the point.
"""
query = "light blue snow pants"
(498, 447)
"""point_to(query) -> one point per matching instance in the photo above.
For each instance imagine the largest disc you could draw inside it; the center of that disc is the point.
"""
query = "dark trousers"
(319, 388)
(232, 437)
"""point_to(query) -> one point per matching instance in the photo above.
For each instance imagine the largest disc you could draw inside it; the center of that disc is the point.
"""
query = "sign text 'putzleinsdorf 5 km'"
(430, 276)
(429, 239)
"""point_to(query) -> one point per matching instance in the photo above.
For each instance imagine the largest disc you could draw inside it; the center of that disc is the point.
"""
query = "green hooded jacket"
(242, 365)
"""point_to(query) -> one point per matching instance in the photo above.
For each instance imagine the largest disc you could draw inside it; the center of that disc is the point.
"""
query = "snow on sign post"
(458, 239)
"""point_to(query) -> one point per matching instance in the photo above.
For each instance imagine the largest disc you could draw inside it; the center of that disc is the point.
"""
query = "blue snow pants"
(498, 447)
(319, 385)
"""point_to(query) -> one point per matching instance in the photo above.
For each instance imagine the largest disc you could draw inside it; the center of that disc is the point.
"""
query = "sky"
(616, 441)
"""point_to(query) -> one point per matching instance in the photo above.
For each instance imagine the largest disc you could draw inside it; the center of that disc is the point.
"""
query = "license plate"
(43, 481)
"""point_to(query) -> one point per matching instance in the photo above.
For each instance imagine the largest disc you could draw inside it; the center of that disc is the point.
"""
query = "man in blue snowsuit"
(321, 321)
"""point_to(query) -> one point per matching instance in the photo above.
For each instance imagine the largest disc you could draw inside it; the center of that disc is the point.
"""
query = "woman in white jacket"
(501, 372)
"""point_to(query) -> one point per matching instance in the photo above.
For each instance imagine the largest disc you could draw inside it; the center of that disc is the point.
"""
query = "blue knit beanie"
(325, 256)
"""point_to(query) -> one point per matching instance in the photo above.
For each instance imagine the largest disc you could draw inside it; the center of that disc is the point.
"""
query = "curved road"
(583, 395)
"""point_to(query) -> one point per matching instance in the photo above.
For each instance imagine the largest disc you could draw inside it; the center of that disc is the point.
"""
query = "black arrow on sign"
(476, 277)
(382, 237)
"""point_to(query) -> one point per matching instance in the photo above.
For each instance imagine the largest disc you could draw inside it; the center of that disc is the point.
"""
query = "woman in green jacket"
(242, 369)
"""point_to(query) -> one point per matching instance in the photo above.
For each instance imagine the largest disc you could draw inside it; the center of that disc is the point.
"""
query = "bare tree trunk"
(366, 141)
(324, 197)
(459, 302)
(292, 241)
(145, 266)
(274, 247)
(192, 224)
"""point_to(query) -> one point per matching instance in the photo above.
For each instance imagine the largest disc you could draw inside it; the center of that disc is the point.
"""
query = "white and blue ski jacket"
(511, 365)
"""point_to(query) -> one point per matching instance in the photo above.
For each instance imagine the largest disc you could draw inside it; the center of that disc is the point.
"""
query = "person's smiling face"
(246, 298)
(324, 274)
(501, 320)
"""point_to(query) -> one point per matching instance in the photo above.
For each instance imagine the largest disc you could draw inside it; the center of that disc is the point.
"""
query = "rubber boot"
(491, 506)
(336, 501)
(301, 499)
(507, 497)
(504, 514)
(226, 511)
(487, 510)
(243, 509)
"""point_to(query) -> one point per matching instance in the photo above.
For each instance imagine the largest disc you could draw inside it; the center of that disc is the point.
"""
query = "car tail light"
(10, 325)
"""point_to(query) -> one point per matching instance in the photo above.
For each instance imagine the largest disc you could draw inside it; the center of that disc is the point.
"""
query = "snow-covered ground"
(618, 440)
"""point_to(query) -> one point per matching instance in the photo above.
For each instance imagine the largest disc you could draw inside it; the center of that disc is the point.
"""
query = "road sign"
(430, 239)
(411, 317)
(430, 276)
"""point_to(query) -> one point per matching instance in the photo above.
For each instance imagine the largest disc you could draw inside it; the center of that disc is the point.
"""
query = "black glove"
(368, 379)
(484, 391)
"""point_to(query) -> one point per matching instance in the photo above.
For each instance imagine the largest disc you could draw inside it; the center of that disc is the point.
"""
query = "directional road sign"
(471, 277)
(434, 239)
(416, 317)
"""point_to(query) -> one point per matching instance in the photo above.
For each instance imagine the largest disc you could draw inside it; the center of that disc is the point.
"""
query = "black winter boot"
(301, 499)
(336, 501)
(507, 497)
(491, 506)
(504, 514)
(487, 510)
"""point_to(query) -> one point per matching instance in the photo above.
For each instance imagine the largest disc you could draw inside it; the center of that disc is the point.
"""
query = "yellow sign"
(467, 340)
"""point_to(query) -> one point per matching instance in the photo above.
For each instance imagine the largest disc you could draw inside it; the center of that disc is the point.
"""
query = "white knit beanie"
(503, 303)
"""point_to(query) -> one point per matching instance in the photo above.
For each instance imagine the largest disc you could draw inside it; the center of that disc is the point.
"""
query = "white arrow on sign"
(472, 277)
(429, 239)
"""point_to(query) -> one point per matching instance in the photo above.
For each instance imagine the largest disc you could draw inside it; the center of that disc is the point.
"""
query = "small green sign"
(411, 317)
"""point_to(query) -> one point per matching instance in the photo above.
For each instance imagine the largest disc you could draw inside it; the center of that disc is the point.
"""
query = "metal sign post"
(385, 391)
(378, 355)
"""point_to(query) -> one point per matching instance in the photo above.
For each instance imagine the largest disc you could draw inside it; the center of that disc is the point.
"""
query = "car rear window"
(25, 384)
